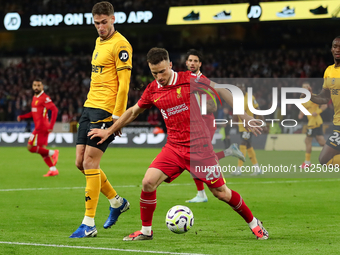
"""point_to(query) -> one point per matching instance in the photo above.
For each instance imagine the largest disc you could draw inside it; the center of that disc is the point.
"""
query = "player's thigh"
(327, 154)
(80, 152)
(246, 138)
(170, 162)
(308, 139)
(92, 157)
(320, 139)
(152, 179)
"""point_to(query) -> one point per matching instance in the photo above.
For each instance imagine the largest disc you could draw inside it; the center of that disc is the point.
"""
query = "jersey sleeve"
(123, 55)
(51, 106)
(26, 116)
(146, 101)
(325, 83)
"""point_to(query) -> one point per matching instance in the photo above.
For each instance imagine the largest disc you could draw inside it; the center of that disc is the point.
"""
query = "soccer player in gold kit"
(106, 102)
(330, 153)
(314, 126)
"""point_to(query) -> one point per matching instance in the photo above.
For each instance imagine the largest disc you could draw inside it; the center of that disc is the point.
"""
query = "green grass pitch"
(38, 214)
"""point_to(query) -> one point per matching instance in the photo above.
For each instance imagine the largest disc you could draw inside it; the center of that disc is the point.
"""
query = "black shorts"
(334, 139)
(312, 132)
(246, 136)
(94, 118)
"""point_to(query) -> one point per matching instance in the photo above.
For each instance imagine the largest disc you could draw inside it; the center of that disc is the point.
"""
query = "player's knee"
(323, 159)
(221, 193)
(79, 164)
(89, 163)
(29, 148)
(148, 184)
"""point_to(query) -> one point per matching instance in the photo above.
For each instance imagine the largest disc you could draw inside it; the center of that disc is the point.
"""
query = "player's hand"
(103, 134)
(49, 130)
(18, 118)
(304, 95)
(255, 125)
(314, 114)
(264, 129)
(118, 133)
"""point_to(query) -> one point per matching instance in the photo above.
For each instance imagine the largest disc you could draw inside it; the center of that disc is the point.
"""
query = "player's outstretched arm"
(125, 119)
(322, 98)
(24, 116)
(255, 125)
(251, 124)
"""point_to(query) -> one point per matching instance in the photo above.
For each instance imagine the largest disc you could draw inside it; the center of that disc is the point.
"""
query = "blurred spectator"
(67, 78)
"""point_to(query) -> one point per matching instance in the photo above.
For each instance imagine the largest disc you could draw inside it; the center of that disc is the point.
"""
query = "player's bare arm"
(264, 128)
(322, 98)
(125, 119)
(300, 115)
(211, 106)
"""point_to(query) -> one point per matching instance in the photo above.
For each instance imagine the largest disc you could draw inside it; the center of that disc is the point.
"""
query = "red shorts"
(38, 138)
(173, 162)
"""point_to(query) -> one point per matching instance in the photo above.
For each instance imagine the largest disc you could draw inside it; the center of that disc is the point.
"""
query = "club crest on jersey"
(179, 94)
(95, 57)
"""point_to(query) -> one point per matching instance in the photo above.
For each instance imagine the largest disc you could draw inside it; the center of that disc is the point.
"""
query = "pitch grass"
(301, 215)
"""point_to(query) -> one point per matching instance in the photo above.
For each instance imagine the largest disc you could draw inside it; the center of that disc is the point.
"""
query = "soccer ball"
(179, 219)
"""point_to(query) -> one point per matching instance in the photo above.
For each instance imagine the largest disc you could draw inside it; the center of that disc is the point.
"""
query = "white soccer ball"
(179, 219)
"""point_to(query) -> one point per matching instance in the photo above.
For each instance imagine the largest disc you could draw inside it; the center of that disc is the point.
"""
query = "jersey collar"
(173, 79)
(40, 93)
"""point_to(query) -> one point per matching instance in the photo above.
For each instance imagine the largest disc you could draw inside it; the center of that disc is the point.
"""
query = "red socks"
(220, 155)
(147, 203)
(48, 161)
(199, 184)
(237, 203)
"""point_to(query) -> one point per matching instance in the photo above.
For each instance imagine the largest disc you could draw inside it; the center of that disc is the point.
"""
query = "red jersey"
(40, 104)
(186, 129)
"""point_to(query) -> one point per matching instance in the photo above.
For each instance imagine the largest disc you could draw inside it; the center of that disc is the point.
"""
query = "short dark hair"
(157, 55)
(195, 53)
(103, 8)
(38, 79)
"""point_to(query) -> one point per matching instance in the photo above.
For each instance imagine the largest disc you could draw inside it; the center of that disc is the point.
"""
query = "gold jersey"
(241, 128)
(332, 83)
(313, 121)
(109, 57)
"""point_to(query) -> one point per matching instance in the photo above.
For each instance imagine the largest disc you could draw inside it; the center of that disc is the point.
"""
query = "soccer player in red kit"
(188, 142)
(194, 62)
(37, 142)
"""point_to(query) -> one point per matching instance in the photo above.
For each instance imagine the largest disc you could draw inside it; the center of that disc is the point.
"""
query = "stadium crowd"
(64, 6)
(67, 79)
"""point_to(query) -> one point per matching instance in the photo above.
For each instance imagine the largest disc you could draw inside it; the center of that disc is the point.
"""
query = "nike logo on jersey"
(156, 99)
(212, 182)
